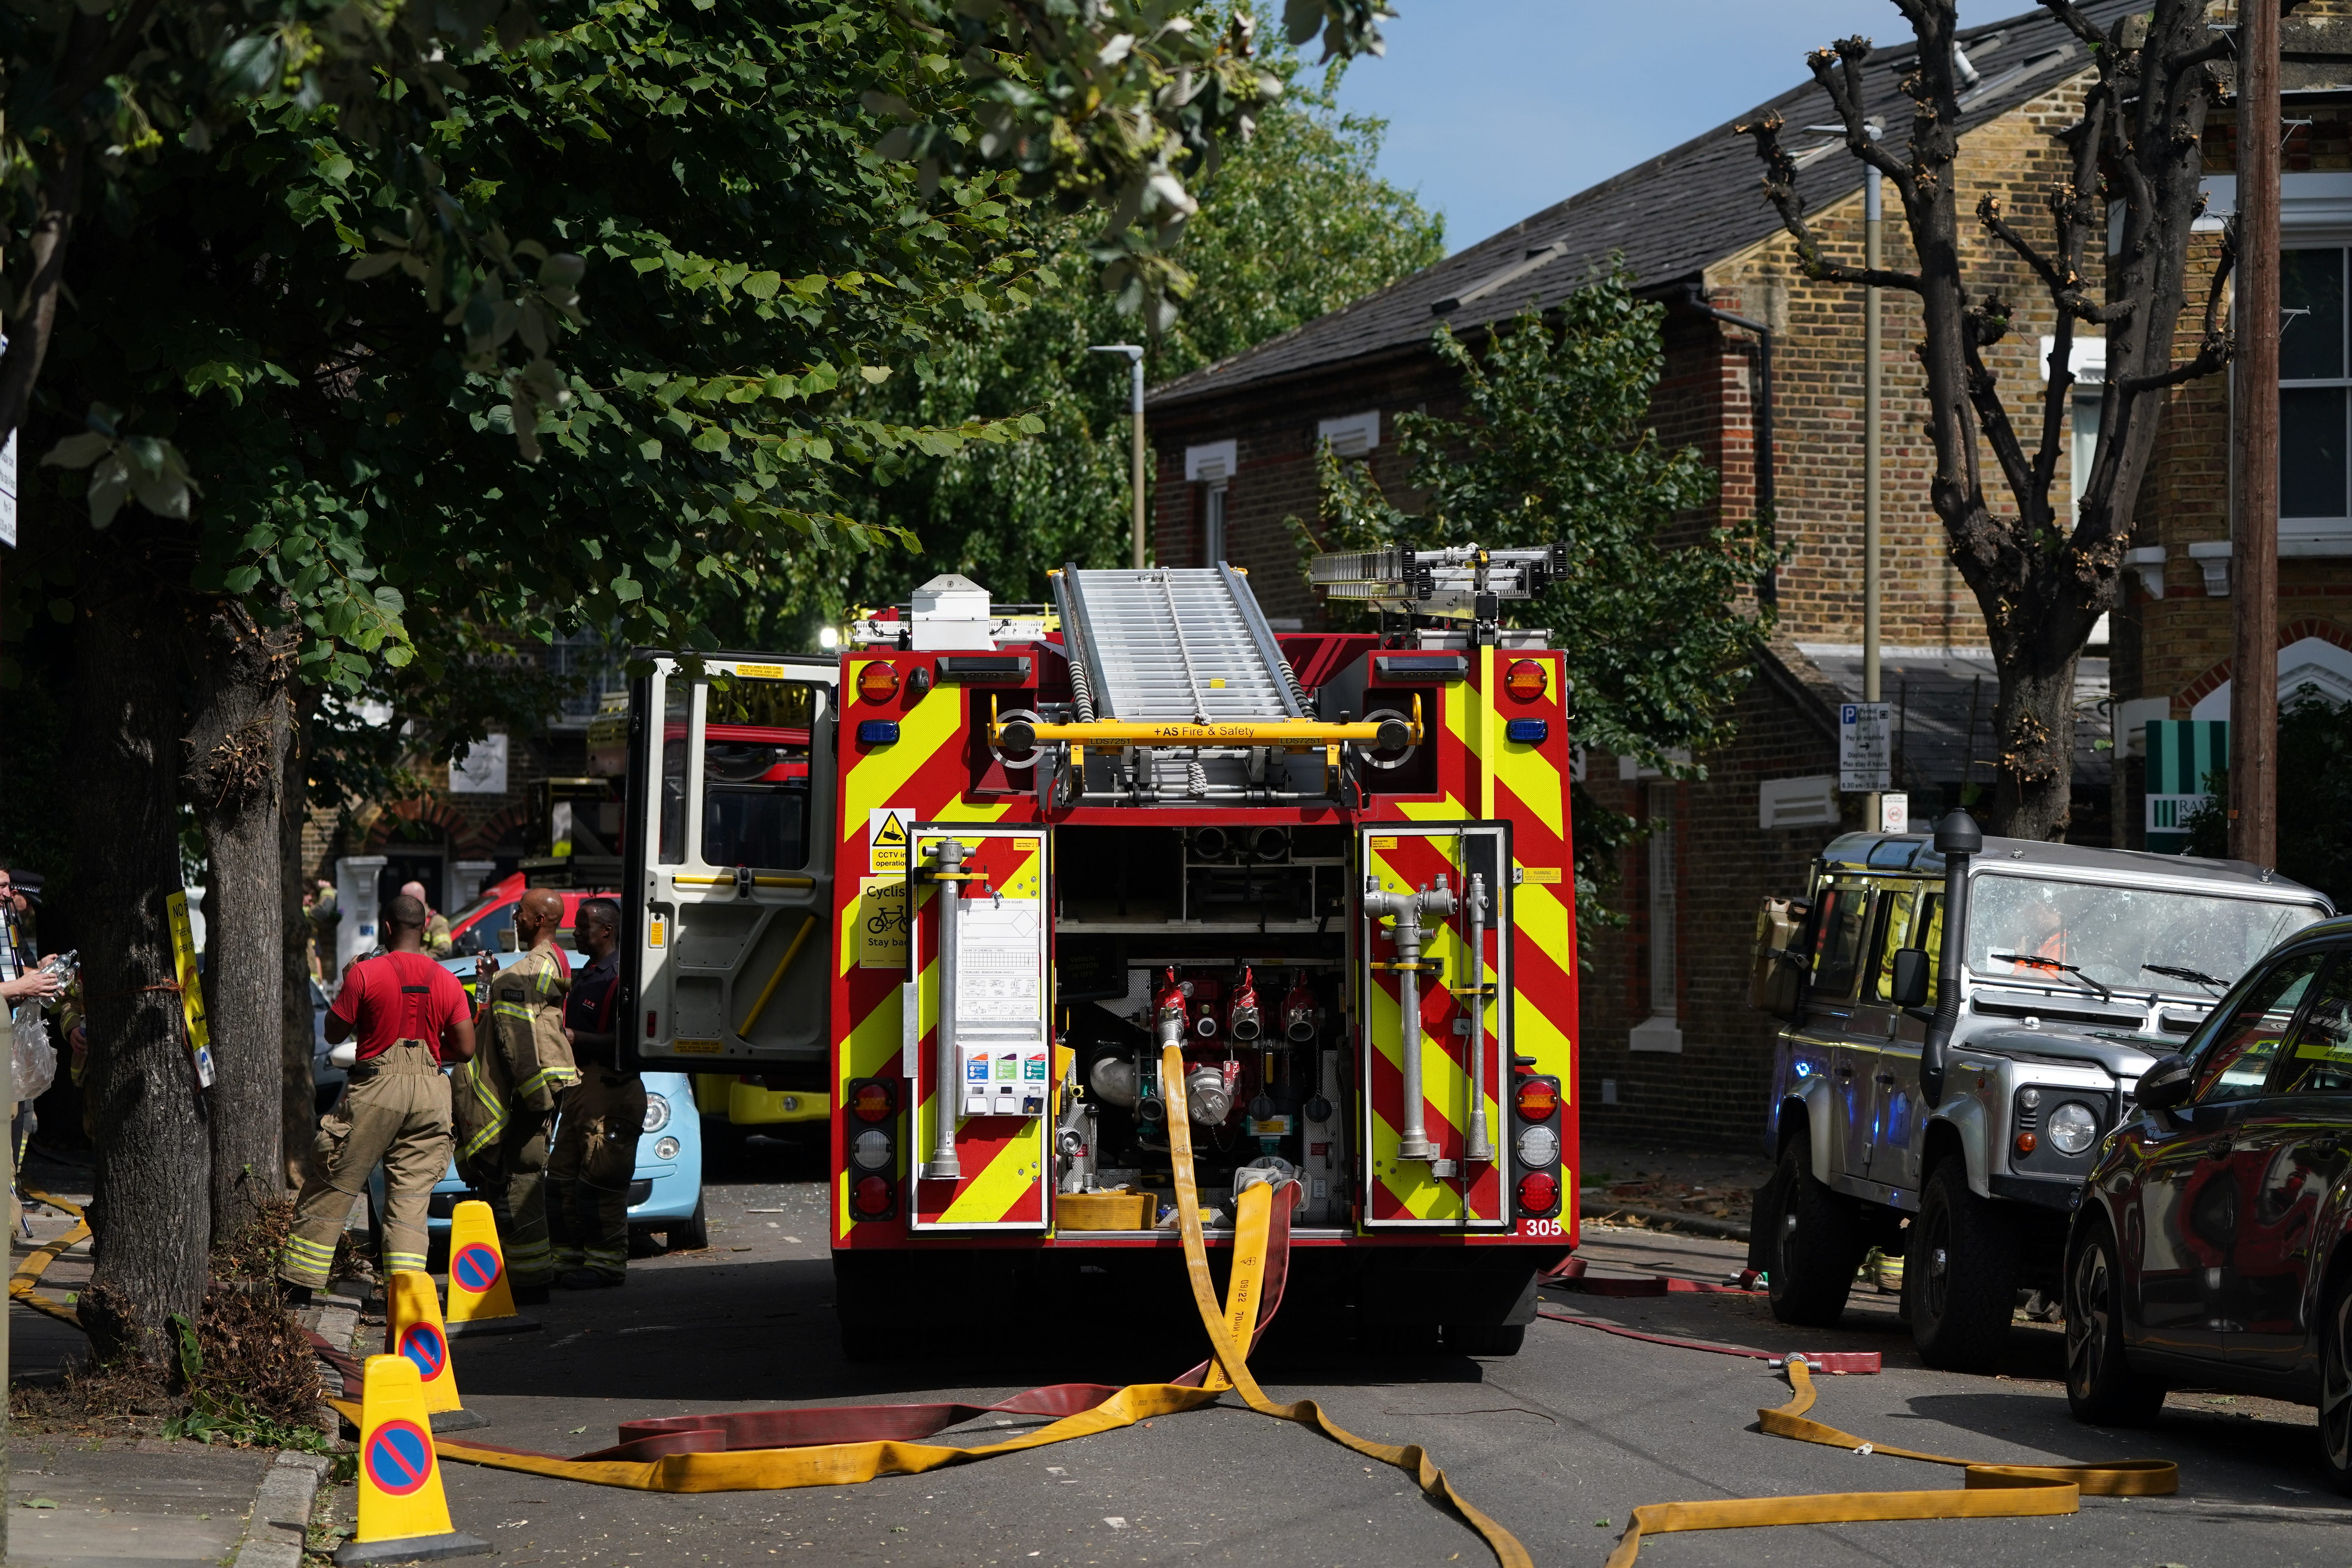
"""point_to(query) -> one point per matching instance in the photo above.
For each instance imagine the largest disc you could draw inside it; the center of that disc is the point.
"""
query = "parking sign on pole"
(1864, 763)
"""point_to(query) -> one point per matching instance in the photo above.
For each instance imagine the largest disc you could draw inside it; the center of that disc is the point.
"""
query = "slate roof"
(1669, 216)
(1944, 699)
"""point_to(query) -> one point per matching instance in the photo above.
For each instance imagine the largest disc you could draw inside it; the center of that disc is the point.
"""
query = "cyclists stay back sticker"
(882, 922)
(886, 839)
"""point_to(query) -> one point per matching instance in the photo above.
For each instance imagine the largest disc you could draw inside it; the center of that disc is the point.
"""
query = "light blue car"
(665, 1195)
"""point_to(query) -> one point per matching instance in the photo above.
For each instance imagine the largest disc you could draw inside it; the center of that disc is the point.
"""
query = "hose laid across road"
(773, 1450)
(37, 1263)
(1991, 1492)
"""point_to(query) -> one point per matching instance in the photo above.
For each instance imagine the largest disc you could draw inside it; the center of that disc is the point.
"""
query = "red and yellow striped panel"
(1002, 1158)
(925, 772)
(1404, 1192)
(1482, 773)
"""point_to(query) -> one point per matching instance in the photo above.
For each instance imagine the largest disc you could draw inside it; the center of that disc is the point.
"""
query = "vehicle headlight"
(656, 1113)
(872, 1150)
(1538, 1146)
(2073, 1128)
(665, 1150)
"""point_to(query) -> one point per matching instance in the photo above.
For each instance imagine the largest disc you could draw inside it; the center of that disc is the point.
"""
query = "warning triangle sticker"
(894, 831)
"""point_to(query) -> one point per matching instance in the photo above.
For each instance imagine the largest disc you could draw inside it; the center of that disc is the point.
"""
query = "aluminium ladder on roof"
(1176, 645)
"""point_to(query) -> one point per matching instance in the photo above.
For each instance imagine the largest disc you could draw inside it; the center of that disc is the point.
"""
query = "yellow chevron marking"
(841, 1220)
(1540, 786)
(1542, 915)
(1542, 1038)
(987, 1198)
(880, 775)
(1446, 810)
(1488, 747)
(1424, 1196)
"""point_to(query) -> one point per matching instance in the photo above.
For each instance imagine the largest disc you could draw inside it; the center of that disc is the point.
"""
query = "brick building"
(2173, 632)
(1670, 1047)
(480, 819)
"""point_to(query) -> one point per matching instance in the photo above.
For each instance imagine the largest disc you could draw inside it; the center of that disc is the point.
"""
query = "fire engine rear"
(971, 878)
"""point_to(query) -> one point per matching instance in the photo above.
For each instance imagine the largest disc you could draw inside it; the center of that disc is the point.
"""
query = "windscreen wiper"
(2033, 960)
(2194, 976)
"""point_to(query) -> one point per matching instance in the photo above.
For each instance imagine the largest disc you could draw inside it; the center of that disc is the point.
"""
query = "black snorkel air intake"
(1958, 838)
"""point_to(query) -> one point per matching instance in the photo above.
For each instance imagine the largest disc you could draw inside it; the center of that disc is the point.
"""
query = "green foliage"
(1294, 225)
(1111, 105)
(2314, 776)
(750, 277)
(1554, 447)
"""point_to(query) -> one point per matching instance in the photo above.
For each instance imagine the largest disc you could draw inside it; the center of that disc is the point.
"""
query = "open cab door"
(728, 868)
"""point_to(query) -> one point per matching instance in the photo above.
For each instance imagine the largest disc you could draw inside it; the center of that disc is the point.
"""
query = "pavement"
(76, 1500)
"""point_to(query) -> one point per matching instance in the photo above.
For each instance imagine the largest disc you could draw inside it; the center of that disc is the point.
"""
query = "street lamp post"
(1134, 352)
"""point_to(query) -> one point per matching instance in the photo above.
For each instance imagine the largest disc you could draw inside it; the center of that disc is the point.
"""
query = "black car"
(2210, 1248)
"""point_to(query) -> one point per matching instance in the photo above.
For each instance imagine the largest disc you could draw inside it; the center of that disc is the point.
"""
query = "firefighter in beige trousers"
(409, 1015)
(506, 1097)
(596, 1156)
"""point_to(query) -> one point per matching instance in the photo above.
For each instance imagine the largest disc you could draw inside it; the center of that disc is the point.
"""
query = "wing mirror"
(1909, 987)
(2165, 1084)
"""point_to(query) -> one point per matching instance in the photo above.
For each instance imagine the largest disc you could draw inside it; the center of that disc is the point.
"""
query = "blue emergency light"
(878, 732)
(1528, 730)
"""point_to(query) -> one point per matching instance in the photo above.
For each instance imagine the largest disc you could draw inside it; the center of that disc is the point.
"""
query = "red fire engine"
(970, 877)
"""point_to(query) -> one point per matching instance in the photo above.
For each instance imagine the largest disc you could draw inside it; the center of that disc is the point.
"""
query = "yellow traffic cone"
(481, 1302)
(402, 1513)
(412, 1329)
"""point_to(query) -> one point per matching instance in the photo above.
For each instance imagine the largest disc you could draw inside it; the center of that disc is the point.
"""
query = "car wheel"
(2335, 1383)
(2101, 1387)
(1965, 1260)
(691, 1235)
(1816, 1247)
(1484, 1339)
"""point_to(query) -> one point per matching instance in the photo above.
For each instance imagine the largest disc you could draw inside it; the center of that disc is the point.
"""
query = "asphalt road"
(1558, 1443)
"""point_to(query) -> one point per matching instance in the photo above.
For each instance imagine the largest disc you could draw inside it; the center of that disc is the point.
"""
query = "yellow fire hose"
(29, 1273)
(1992, 1491)
(1989, 1490)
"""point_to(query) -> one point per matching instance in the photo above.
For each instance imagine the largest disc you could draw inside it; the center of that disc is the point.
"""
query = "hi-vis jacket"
(526, 1062)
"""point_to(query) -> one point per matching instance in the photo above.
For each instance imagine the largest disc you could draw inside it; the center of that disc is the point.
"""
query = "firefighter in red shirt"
(410, 1016)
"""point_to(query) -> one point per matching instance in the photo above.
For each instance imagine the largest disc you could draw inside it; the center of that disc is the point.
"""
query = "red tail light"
(1538, 1192)
(870, 1198)
(1537, 1099)
(1524, 679)
(872, 1102)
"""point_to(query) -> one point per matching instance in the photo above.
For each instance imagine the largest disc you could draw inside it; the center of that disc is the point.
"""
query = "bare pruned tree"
(2041, 583)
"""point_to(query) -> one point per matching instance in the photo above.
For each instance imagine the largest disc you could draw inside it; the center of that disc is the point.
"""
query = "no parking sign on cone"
(481, 1302)
(412, 1329)
(403, 1516)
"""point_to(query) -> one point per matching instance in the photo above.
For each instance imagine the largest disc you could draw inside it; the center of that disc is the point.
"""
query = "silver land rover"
(1954, 1123)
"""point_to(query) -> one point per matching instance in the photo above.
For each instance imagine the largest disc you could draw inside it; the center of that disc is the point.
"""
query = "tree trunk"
(2033, 725)
(235, 750)
(297, 1114)
(153, 1192)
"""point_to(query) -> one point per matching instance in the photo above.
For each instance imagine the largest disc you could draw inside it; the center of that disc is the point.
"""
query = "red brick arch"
(485, 835)
(2293, 632)
(421, 813)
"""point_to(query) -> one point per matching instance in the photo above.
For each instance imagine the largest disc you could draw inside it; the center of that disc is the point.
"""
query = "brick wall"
(1715, 1087)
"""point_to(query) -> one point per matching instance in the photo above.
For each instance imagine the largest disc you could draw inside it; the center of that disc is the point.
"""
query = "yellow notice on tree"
(192, 987)
(882, 922)
(886, 839)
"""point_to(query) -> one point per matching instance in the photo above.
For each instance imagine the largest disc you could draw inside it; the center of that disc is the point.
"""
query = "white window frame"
(1661, 1031)
(1350, 435)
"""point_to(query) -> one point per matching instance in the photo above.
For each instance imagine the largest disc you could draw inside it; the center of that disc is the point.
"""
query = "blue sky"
(1496, 108)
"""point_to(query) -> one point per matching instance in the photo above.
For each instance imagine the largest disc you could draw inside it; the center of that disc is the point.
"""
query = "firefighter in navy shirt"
(595, 1155)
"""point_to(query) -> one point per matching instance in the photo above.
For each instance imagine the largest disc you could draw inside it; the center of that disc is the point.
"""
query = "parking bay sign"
(1864, 763)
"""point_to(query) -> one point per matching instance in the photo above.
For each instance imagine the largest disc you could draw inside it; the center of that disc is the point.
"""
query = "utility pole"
(1871, 216)
(2253, 556)
(1134, 353)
